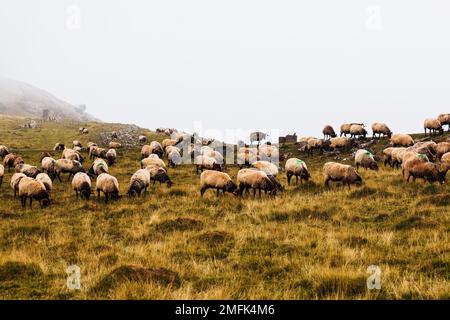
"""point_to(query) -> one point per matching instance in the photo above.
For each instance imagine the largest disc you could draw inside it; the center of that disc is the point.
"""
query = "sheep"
(333, 171)
(246, 158)
(258, 137)
(85, 131)
(357, 130)
(345, 128)
(12, 160)
(14, 183)
(328, 132)
(208, 163)
(446, 158)
(44, 155)
(115, 145)
(45, 180)
(154, 148)
(216, 155)
(211, 179)
(397, 156)
(3, 151)
(410, 159)
(444, 119)
(296, 167)
(81, 184)
(28, 170)
(139, 181)
(67, 166)
(98, 167)
(109, 185)
(442, 148)
(90, 145)
(427, 147)
(256, 180)
(71, 154)
(169, 142)
(340, 143)
(2, 172)
(269, 152)
(427, 171)
(433, 125)
(111, 156)
(59, 146)
(48, 166)
(314, 144)
(169, 149)
(30, 188)
(174, 158)
(266, 166)
(387, 156)
(365, 159)
(401, 140)
(381, 129)
(158, 173)
(143, 139)
(97, 152)
(77, 143)
(152, 161)
(77, 149)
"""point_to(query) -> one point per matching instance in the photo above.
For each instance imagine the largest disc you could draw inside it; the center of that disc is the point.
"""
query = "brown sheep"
(32, 189)
(333, 171)
(402, 140)
(345, 128)
(433, 125)
(81, 184)
(211, 179)
(328, 132)
(410, 160)
(12, 160)
(442, 148)
(109, 185)
(427, 171)
(29, 171)
(115, 145)
(256, 180)
(381, 129)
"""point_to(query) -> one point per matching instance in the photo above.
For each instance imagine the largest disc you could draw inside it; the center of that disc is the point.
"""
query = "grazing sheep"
(328, 132)
(71, 154)
(154, 148)
(77, 149)
(206, 163)
(48, 166)
(314, 144)
(174, 158)
(246, 158)
(30, 188)
(446, 158)
(211, 179)
(427, 171)
(109, 185)
(268, 152)
(12, 160)
(266, 166)
(410, 159)
(3, 151)
(44, 155)
(98, 167)
(159, 174)
(357, 130)
(29, 171)
(365, 159)
(169, 149)
(139, 181)
(152, 160)
(333, 171)
(46, 181)
(169, 142)
(77, 143)
(81, 184)
(97, 152)
(397, 156)
(444, 119)
(433, 125)
(296, 167)
(115, 145)
(111, 156)
(387, 156)
(14, 183)
(345, 128)
(67, 166)
(340, 143)
(2, 172)
(90, 145)
(402, 140)
(428, 148)
(442, 148)
(59, 146)
(85, 131)
(256, 180)
(143, 139)
(258, 137)
(381, 129)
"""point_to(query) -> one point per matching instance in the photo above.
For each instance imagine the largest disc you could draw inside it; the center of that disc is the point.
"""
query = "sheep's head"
(85, 194)
(358, 180)
(230, 187)
(374, 166)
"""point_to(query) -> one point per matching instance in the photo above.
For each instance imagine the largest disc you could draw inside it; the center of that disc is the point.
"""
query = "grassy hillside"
(307, 243)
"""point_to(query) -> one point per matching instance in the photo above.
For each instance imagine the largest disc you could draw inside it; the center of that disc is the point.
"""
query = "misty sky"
(288, 64)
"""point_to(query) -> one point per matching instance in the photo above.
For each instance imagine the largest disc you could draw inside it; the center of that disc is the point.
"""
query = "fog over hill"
(22, 99)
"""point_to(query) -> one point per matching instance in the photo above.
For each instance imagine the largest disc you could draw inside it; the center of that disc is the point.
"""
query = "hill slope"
(24, 100)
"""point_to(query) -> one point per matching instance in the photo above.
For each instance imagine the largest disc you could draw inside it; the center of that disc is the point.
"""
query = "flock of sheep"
(257, 172)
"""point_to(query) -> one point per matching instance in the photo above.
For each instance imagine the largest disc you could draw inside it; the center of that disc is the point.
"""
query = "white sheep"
(32, 189)
(256, 180)
(296, 167)
(109, 185)
(365, 159)
(45, 180)
(98, 167)
(333, 171)
(14, 183)
(67, 166)
(139, 181)
(81, 184)
(211, 179)
(206, 163)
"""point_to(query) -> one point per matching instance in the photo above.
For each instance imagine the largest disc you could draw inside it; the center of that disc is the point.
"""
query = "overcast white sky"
(287, 64)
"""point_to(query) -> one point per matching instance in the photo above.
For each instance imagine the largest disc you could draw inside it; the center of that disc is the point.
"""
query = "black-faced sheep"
(28, 170)
(111, 156)
(433, 125)
(143, 139)
(12, 160)
(48, 166)
(357, 130)
(32, 189)
(336, 172)
(71, 154)
(410, 159)
(328, 132)
(139, 182)
(14, 183)
(152, 160)
(77, 143)
(59, 146)
(98, 167)
(381, 129)
(296, 167)
(387, 156)
(402, 140)
(211, 179)
(67, 166)
(444, 119)
(81, 184)
(46, 181)
(427, 171)
(159, 174)
(315, 144)
(256, 180)
(343, 143)
(174, 158)
(3, 151)
(442, 148)
(109, 185)
(97, 152)
(365, 159)
(206, 163)
(345, 128)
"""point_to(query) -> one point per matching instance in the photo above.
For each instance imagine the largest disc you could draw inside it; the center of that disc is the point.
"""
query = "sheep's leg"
(106, 197)
(327, 182)
(296, 180)
(1, 180)
(217, 192)
(31, 202)
(289, 176)
(98, 195)
(23, 200)
(254, 193)
(202, 191)
(260, 193)
(76, 192)
(58, 175)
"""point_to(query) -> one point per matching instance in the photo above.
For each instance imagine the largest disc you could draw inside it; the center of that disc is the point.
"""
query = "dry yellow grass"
(307, 243)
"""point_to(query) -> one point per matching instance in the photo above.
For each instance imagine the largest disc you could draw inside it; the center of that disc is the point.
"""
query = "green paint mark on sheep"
(421, 155)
